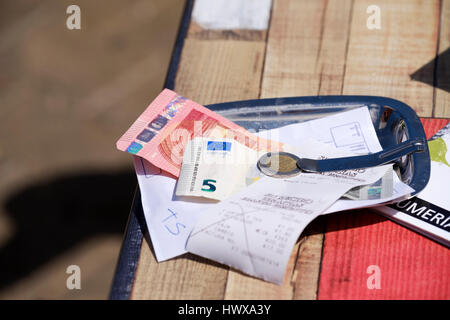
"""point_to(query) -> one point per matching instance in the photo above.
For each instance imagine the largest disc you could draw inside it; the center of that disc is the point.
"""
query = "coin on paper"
(279, 164)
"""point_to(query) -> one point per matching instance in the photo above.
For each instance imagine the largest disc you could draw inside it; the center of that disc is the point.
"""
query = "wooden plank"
(306, 50)
(442, 90)
(380, 62)
(210, 71)
(213, 71)
(333, 47)
(411, 266)
(292, 49)
(305, 56)
(330, 67)
(307, 268)
(432, 126)
(185, 277)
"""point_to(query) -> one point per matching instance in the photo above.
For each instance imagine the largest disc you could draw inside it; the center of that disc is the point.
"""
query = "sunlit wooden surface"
(319, 48)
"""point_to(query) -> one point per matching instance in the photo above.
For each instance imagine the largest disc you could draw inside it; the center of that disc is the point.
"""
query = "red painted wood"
(432, 126)
(411, 266)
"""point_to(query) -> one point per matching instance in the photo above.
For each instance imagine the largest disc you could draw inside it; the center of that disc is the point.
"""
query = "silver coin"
(279, 164)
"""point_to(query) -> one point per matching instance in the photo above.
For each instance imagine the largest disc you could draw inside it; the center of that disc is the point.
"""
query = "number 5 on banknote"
(209, 184)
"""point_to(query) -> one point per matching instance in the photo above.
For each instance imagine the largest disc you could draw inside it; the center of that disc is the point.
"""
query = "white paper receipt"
(169, 220)
(255, 230)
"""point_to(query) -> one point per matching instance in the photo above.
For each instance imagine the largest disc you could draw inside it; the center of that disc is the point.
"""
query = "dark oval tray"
(394, 122)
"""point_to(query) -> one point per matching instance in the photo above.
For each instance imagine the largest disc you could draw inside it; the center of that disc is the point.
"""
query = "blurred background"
(66, 96)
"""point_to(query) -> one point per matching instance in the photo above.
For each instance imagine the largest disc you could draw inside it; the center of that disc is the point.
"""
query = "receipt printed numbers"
(226, 309)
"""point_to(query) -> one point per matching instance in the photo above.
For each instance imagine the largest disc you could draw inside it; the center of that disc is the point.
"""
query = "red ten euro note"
(162, 131)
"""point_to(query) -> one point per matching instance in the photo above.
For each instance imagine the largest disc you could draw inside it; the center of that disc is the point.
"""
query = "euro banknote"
(161, 132)
(383, 188)
(216, 168)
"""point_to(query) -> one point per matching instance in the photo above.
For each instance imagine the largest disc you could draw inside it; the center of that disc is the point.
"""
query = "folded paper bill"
(217, 168)
(161, 132)
(382, 188)
(255, 229)
(400, 191)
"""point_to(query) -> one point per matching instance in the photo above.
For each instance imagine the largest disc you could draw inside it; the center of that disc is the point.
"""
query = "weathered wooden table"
(312, 48)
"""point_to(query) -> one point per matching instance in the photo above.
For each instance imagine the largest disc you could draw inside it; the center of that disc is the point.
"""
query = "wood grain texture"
(213, 71)
(412, 266)
(313, 47)
(305, 56)
(185, 277)
(210, 71)
(328, 75)
(306, 48)
(380, 62)
(307, 267)
(442, 90)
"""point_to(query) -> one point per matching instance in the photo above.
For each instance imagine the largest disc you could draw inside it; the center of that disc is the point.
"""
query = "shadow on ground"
(441, 79)
(52, 216)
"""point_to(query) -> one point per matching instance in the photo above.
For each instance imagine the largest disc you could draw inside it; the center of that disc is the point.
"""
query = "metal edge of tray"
(316, 105)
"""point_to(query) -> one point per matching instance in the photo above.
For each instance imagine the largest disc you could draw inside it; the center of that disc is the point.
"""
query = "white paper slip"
(351, 131)
(232, 14)
(255, 230)
(169, 220)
